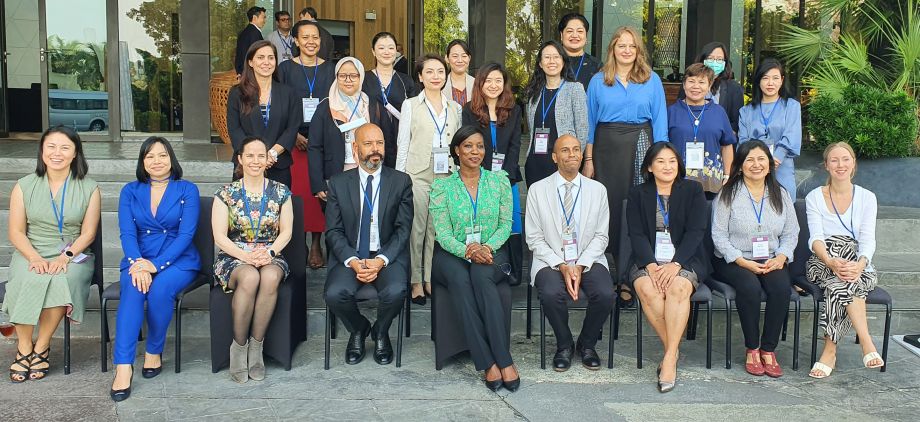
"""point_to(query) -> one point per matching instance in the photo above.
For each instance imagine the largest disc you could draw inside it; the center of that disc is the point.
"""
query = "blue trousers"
(160, 301)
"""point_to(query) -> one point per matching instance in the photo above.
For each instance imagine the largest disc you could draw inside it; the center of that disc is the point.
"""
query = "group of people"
(413, 181)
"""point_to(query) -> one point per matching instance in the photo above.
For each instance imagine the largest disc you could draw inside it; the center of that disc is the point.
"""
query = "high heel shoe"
(512, 385)
(121, 395)
(36, 374)
(18, 376)
(493, 385)
(666, 386)
(152, 372)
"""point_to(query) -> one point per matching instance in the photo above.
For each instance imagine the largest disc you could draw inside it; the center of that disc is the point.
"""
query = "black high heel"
(152, 372)
(512, 385)
(23, 361)
(41, 358)
(121, 395)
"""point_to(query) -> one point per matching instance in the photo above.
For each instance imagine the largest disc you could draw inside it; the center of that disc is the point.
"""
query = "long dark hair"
(652, 154)
(505, 102)
(249, 87)
(78, 167)
(534, 87)
(295, 50)
(462, 134)
(726, 73)
(175, 172)
(735, 178)
(767, 65)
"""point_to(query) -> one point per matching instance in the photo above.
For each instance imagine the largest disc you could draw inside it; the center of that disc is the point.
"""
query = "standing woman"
(493, 110)
(428, 122)
(338, 117)
(157, 217)
(626, 112)
(776, 119)
(249, 262)
(459, 85)
(389, 88)
(471, 210)
(260, 106)
(54, 214)
(573, 31)
(310, 77)
(755, 231)
(725, 90)
(841, 221)
(555, 107)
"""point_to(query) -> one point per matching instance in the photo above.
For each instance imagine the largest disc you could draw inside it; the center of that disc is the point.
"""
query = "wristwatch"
(68, 253)
(271, 252)
(273, 153)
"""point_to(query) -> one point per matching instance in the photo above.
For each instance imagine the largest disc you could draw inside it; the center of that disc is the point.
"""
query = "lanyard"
(355, 110)
(57, 216)
(568, 218)
(372, 201)
(757, 214)
(666, 214)
(268, 110)
(474, 204)
(494, 136)
(441, 128)
(252, 226)
(580, 63)
(546, 107)
(696, 120)
(289, 45)
(852, 228)
(303, 67)
(767, 119)
(385, 91)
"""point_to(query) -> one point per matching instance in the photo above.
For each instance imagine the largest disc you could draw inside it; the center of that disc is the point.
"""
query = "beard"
(370, 164)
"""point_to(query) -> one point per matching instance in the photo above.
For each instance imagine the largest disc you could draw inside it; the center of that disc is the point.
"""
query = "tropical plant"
(442, 25)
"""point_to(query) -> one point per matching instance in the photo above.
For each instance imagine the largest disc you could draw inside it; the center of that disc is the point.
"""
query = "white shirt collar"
(444, 102)
(560, 181)
(363, 174)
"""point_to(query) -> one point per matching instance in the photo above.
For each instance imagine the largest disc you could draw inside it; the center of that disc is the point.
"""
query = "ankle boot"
(239, 371)
(256, 364)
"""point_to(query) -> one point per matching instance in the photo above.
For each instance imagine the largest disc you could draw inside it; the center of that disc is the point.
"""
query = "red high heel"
(772, 370)
(755, 367)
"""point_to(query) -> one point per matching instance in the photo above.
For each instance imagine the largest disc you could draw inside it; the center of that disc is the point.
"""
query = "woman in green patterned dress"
(54, 214)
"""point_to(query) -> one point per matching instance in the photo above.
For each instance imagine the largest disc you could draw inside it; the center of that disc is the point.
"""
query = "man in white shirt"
(566, 226)
(368, 219)
(281, 36)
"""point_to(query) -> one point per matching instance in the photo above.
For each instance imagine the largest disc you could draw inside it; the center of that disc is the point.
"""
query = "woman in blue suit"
(157, 216)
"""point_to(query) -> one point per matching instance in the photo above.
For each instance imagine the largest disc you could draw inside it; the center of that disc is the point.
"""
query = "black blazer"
(401, 88)
(283, 120)
(687, 221)
(732, 99)
(343, 208)
(326, 153)
(508, 142)
(249, 35)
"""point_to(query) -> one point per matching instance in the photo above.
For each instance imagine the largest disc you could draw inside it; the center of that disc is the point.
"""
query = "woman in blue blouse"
(626, 111)
(157, 217)
(776, 119)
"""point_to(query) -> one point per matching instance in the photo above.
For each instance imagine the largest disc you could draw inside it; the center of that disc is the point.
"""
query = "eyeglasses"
(348, 76)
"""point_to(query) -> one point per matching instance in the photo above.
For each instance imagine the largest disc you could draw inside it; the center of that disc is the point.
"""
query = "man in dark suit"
(326, 43)
(368, 219)
(250, 34)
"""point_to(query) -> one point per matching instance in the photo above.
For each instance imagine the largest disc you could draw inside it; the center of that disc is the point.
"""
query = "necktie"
(364, 235)
(567, 202)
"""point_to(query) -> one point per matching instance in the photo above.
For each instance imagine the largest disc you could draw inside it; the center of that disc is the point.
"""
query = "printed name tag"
(498, 160)
(540, 141)
(760, 247)
(375, 234)
(349, 153)
(664, 249)
(309, 108)
(569, 247)
(473, 234)
(393, 111)
(695, 155)
(441, 160)
(354, 124)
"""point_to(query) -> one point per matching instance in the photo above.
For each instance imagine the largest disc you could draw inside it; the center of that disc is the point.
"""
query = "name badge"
(375, 234)
(349, 153)
(695, 155)
(498, 160)
(309, 108)
(354, 124)
(473, 234)
(664, 249)
(441, 160)
(569, 246)
(540, 141)
(760, 247)
(393, 111)
(76, 259)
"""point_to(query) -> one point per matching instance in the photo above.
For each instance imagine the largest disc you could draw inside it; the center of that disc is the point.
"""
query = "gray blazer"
(571, 112)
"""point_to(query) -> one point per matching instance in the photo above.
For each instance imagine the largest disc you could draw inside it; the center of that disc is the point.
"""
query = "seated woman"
(54, 214)
(157, 217)
(471, 210)
(249, 263)
(755, 231)
(666, 229)
(841, 220)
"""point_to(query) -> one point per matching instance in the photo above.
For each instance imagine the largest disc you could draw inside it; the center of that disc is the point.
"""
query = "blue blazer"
(164, 240)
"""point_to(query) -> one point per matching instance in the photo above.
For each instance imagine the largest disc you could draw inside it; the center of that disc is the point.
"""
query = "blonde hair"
(844, 145)
(641, 70)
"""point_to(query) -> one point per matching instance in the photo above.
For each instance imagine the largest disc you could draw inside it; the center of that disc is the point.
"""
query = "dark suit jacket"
(326, 153)
(508, 142)
(283, 120)
(343, 215)
(731, 99)
(687, 220)
(246, 38)
(401, 88)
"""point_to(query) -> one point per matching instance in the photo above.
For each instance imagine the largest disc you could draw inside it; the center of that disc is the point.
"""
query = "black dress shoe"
(151, 372)
(383, 350)
(354, 353)
(419, 300)
(120, 395)
(512, 385)
(563, 359)
(589, 358)
(493, 385)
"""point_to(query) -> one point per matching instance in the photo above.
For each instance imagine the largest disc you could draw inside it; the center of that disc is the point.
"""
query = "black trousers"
(282, 176)
(341, 286)
(475, 297)
(748, 285)
(554, 298)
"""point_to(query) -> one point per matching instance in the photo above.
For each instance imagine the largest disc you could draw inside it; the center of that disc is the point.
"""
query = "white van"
(81, 110)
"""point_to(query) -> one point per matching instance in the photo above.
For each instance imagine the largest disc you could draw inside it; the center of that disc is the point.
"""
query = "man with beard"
(368, 219)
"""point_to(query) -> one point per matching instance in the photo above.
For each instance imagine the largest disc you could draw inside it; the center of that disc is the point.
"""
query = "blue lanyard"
(252, 226)
(289, 45)
(852, 228)
(303, 67)
(767, 119)
(494, 136)
(546, 107)
(757, 214)
(568, 218)
(370, 202)
(60, 216)
(355, 110)
(694, 120)
(268, 110)
(385, 91)
(474, 204)
(665, 214)
(440, 129)
(580, 63)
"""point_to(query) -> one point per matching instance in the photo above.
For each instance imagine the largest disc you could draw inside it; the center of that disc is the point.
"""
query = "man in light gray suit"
(566, 225)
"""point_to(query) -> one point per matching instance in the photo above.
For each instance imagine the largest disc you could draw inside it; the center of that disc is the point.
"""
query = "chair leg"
(728, 334)
(433, 315)
(709, 335)
(887, 335)
(328, 337)
(638, 332)
(334, 323)
(67, 346)
(178, 335)
(694, 316)
(529, 307)
(103, 335)
(403, 316)
(610, 342)
(785, 324)
(408, 308)
(616, 317)
(795, 332)
(542, 338)
(814, 332)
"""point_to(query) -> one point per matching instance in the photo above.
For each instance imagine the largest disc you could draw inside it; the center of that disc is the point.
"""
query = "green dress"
(28, 293)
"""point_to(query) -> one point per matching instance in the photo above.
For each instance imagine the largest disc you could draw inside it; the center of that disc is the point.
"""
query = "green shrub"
(876, 123)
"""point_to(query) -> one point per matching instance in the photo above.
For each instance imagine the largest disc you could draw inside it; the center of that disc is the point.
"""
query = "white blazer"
(544, 224)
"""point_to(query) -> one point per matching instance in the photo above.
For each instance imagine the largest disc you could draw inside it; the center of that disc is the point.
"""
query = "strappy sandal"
(41, 358)
(820, 370)
(869, 357)
(19, 376)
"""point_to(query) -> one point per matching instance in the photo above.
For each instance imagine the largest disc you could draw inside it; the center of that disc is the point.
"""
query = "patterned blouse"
(452, 211)
(240, 227)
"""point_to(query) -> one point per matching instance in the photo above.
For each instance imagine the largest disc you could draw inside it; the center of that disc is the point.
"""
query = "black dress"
(400, 88)
(583, 70)
(300, 78)
(539, 166)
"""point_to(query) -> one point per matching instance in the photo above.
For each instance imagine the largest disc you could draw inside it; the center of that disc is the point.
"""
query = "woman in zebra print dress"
(841, 220)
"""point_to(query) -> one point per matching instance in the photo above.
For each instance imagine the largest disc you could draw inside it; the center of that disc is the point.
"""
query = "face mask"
(716, 65)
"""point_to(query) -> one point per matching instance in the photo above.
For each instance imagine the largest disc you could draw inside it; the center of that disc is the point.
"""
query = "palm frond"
(852, 55)
(800, 46)
(829, 80)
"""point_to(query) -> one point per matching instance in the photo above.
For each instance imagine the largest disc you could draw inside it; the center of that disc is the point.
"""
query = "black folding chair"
(367, 293)
(204, 242)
